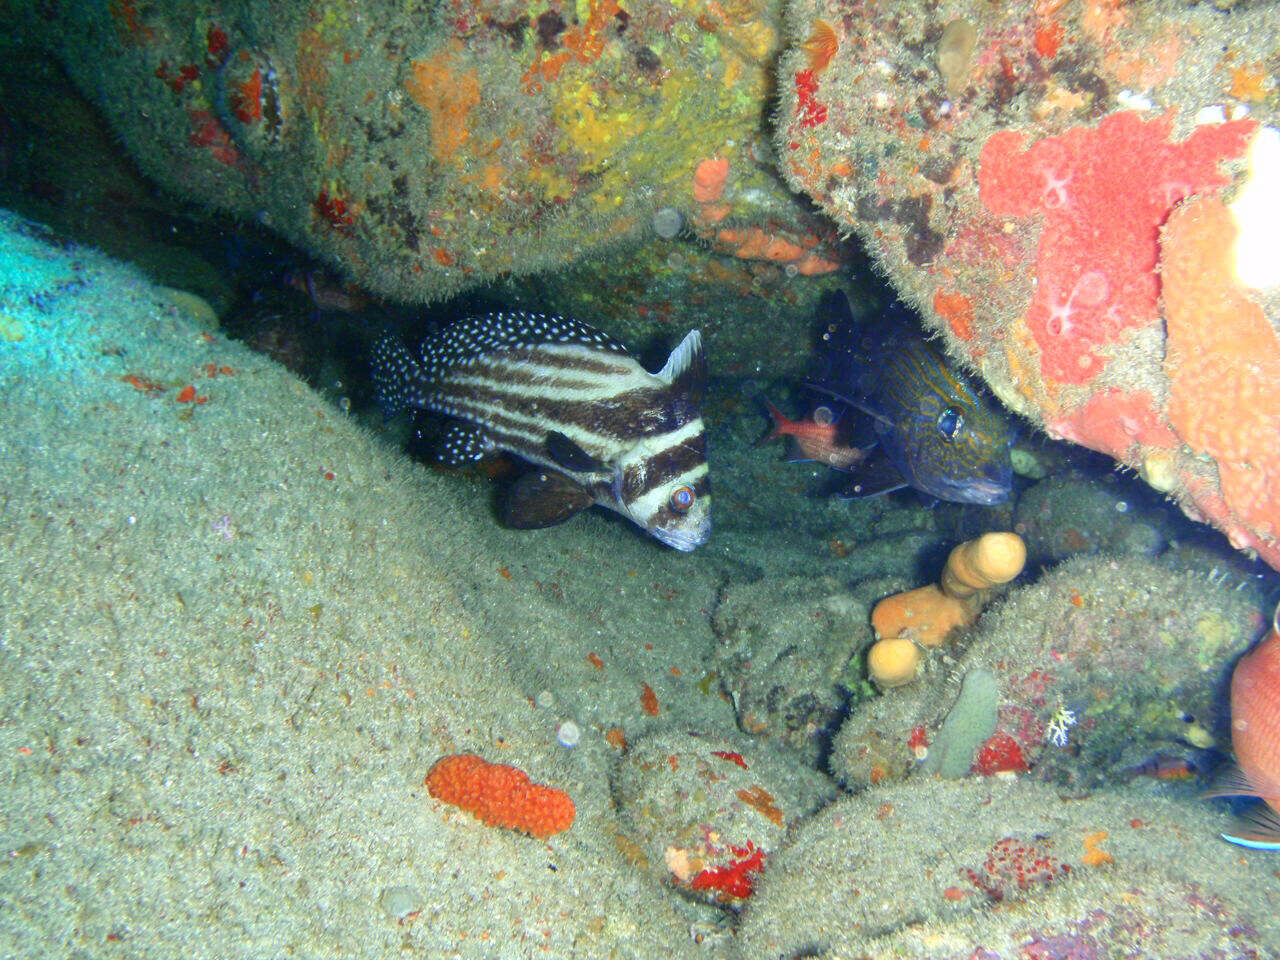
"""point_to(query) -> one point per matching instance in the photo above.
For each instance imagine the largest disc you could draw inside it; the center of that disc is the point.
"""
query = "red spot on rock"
(735, 880)
(333, 209)
(1012, 865)
(216, 42)
(207, 132)
(1048, 40)
(957, 310)
(811, 112)
(648, 700)
(731, 756)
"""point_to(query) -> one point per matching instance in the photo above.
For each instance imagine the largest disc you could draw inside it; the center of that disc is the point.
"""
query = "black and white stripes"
(539, 386)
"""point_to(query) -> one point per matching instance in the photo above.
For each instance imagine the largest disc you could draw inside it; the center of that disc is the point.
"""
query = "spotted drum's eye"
(950, 423)
(682, 499)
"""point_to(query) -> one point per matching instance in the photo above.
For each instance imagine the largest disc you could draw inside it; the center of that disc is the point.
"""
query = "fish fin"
(1231, 781)
(568, 454)
(543, 498)
(779, 422)
(397, 377)
(686, 367)
(863, 405)
(463, 443)
(873, 478)
(1258, 828)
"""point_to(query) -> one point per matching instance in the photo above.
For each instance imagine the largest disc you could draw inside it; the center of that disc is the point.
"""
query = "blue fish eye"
(682, 499)
(950, 423)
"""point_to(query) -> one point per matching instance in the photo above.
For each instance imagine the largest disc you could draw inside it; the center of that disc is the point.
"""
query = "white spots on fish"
(464, 443)
(397, 377)
(467, 341)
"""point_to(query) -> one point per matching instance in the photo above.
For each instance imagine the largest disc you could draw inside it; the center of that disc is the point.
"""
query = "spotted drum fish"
(1255, 739)
(937, 432)
(568, 398)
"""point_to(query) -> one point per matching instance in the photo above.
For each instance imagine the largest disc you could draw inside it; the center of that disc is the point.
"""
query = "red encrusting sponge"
(500, 795)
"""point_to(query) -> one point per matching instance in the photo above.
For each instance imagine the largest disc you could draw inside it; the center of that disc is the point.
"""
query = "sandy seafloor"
(235, 634)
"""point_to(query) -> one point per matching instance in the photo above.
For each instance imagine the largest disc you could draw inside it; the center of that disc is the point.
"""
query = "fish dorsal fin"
(686, 368)
(685, 358)
(865, 404)
(480, 335)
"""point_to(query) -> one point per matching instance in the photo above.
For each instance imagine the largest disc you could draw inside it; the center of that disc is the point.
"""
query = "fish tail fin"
(778, 425)
(396, 376)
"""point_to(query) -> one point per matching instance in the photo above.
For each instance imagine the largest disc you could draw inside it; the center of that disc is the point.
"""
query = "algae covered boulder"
(940, 870)
(1104, 666)
(425, 150)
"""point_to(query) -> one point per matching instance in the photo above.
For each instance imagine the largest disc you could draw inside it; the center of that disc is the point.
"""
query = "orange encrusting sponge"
(500, 795)
(1223, 362)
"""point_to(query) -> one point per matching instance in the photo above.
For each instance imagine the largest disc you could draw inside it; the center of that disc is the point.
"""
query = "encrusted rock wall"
(1080, 197)
(426, 148)
(1077, 196)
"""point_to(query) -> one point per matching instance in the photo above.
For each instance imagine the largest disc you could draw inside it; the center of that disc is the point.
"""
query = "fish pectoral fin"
(1231, 782)
(568, 454)
(873, 478)
(543, 498)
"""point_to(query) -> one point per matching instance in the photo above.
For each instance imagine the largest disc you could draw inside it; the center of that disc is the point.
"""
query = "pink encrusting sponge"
(1103, 194)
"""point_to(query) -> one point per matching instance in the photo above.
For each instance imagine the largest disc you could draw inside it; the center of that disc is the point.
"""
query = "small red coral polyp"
(333, 209)
(1000, 754)
(736, 879)
(812, 113)
(1012, 865)
(1103, 194)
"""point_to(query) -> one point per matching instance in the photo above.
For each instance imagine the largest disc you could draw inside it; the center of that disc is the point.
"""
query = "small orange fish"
(817, 439)
(1255, 737)
(1165, 767)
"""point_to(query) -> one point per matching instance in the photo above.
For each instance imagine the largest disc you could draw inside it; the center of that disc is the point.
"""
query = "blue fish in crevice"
(937, 432)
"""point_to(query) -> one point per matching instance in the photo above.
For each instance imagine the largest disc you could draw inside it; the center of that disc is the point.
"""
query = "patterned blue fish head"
(947, 439)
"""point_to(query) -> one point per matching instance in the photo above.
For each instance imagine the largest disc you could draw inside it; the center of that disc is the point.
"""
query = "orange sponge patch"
(1223, 361)
(500, 795)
